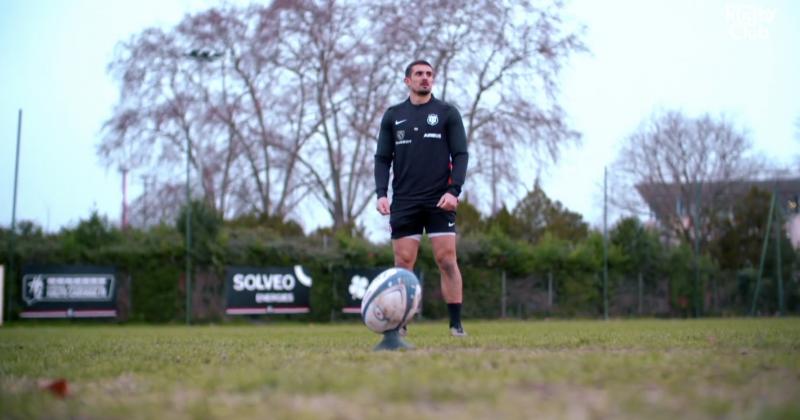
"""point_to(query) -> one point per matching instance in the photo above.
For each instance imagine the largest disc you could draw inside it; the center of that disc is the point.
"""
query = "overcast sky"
(737, 58)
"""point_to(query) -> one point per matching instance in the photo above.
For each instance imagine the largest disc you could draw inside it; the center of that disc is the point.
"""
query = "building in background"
(671, 204)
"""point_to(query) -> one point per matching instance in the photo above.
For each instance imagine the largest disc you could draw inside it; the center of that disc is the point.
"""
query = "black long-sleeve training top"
(426, 146)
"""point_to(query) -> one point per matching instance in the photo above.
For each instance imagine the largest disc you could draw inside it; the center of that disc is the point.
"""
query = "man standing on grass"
(423, 141)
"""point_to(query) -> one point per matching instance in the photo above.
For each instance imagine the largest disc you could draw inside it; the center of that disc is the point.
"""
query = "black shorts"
(413, 219)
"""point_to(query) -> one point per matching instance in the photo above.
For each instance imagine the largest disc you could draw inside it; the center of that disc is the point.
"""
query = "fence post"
(715, 294)
(2, 270)
(641, 292)
(503, 294)
(767, 232)
(778, 264)
(334, 294)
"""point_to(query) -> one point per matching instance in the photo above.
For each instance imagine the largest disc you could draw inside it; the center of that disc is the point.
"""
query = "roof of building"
(669, 199)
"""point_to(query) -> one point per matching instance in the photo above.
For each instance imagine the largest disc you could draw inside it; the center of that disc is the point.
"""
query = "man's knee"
(405, 259)
(405, 252)
(404, 262)
(446, 260)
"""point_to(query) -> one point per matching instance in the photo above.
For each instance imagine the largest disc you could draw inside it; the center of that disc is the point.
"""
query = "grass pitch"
(653, 369)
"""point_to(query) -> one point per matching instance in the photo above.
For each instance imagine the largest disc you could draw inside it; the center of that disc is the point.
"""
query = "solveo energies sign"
(267, 290)
(69, 292)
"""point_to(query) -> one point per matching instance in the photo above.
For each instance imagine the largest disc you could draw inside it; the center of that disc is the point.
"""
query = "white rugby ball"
(391, 301)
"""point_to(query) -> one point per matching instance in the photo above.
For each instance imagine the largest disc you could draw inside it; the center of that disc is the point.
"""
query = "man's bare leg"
(405, 255)
(405, 252)
(444, 251)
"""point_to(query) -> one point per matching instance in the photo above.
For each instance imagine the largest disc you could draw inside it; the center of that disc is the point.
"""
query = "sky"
(733, 58)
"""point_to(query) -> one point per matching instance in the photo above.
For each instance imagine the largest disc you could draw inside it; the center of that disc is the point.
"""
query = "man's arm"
(457, 141)
(383, 163)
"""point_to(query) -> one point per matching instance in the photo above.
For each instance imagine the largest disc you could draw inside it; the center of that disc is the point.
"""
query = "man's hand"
(383, 206)
(448, 202)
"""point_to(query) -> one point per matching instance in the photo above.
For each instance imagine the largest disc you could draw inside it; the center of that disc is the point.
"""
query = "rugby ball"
(391, 300)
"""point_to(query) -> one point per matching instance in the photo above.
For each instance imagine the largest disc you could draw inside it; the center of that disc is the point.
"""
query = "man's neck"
(420, 99)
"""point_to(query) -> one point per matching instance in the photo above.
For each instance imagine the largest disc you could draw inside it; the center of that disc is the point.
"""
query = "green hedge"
(154, 261)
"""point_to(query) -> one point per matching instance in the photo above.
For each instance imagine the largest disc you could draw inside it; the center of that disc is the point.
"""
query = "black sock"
(455, 314)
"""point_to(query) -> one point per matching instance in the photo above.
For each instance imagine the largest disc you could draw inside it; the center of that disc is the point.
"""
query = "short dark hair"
(414, 63)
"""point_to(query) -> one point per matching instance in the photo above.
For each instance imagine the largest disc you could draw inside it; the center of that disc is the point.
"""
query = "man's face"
(421, 79)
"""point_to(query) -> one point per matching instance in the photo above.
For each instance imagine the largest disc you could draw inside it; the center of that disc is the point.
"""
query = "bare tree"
(289, 111)
(341, 80)
(217, 103)
(687, 169)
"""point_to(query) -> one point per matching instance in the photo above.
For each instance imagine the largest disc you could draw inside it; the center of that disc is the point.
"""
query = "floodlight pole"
(200, 56)
(12, 235)
(188, 232)
(124, 223)
(696, 300)
(605, 243)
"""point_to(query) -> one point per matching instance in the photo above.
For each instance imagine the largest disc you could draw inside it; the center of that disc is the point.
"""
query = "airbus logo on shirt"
(432, 135)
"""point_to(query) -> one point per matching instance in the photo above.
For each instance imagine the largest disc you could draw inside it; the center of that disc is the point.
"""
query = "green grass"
(651, 369)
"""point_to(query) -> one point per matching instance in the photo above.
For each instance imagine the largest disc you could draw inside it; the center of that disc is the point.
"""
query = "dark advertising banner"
(358, 279)
(69, 292)
(267, 290)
